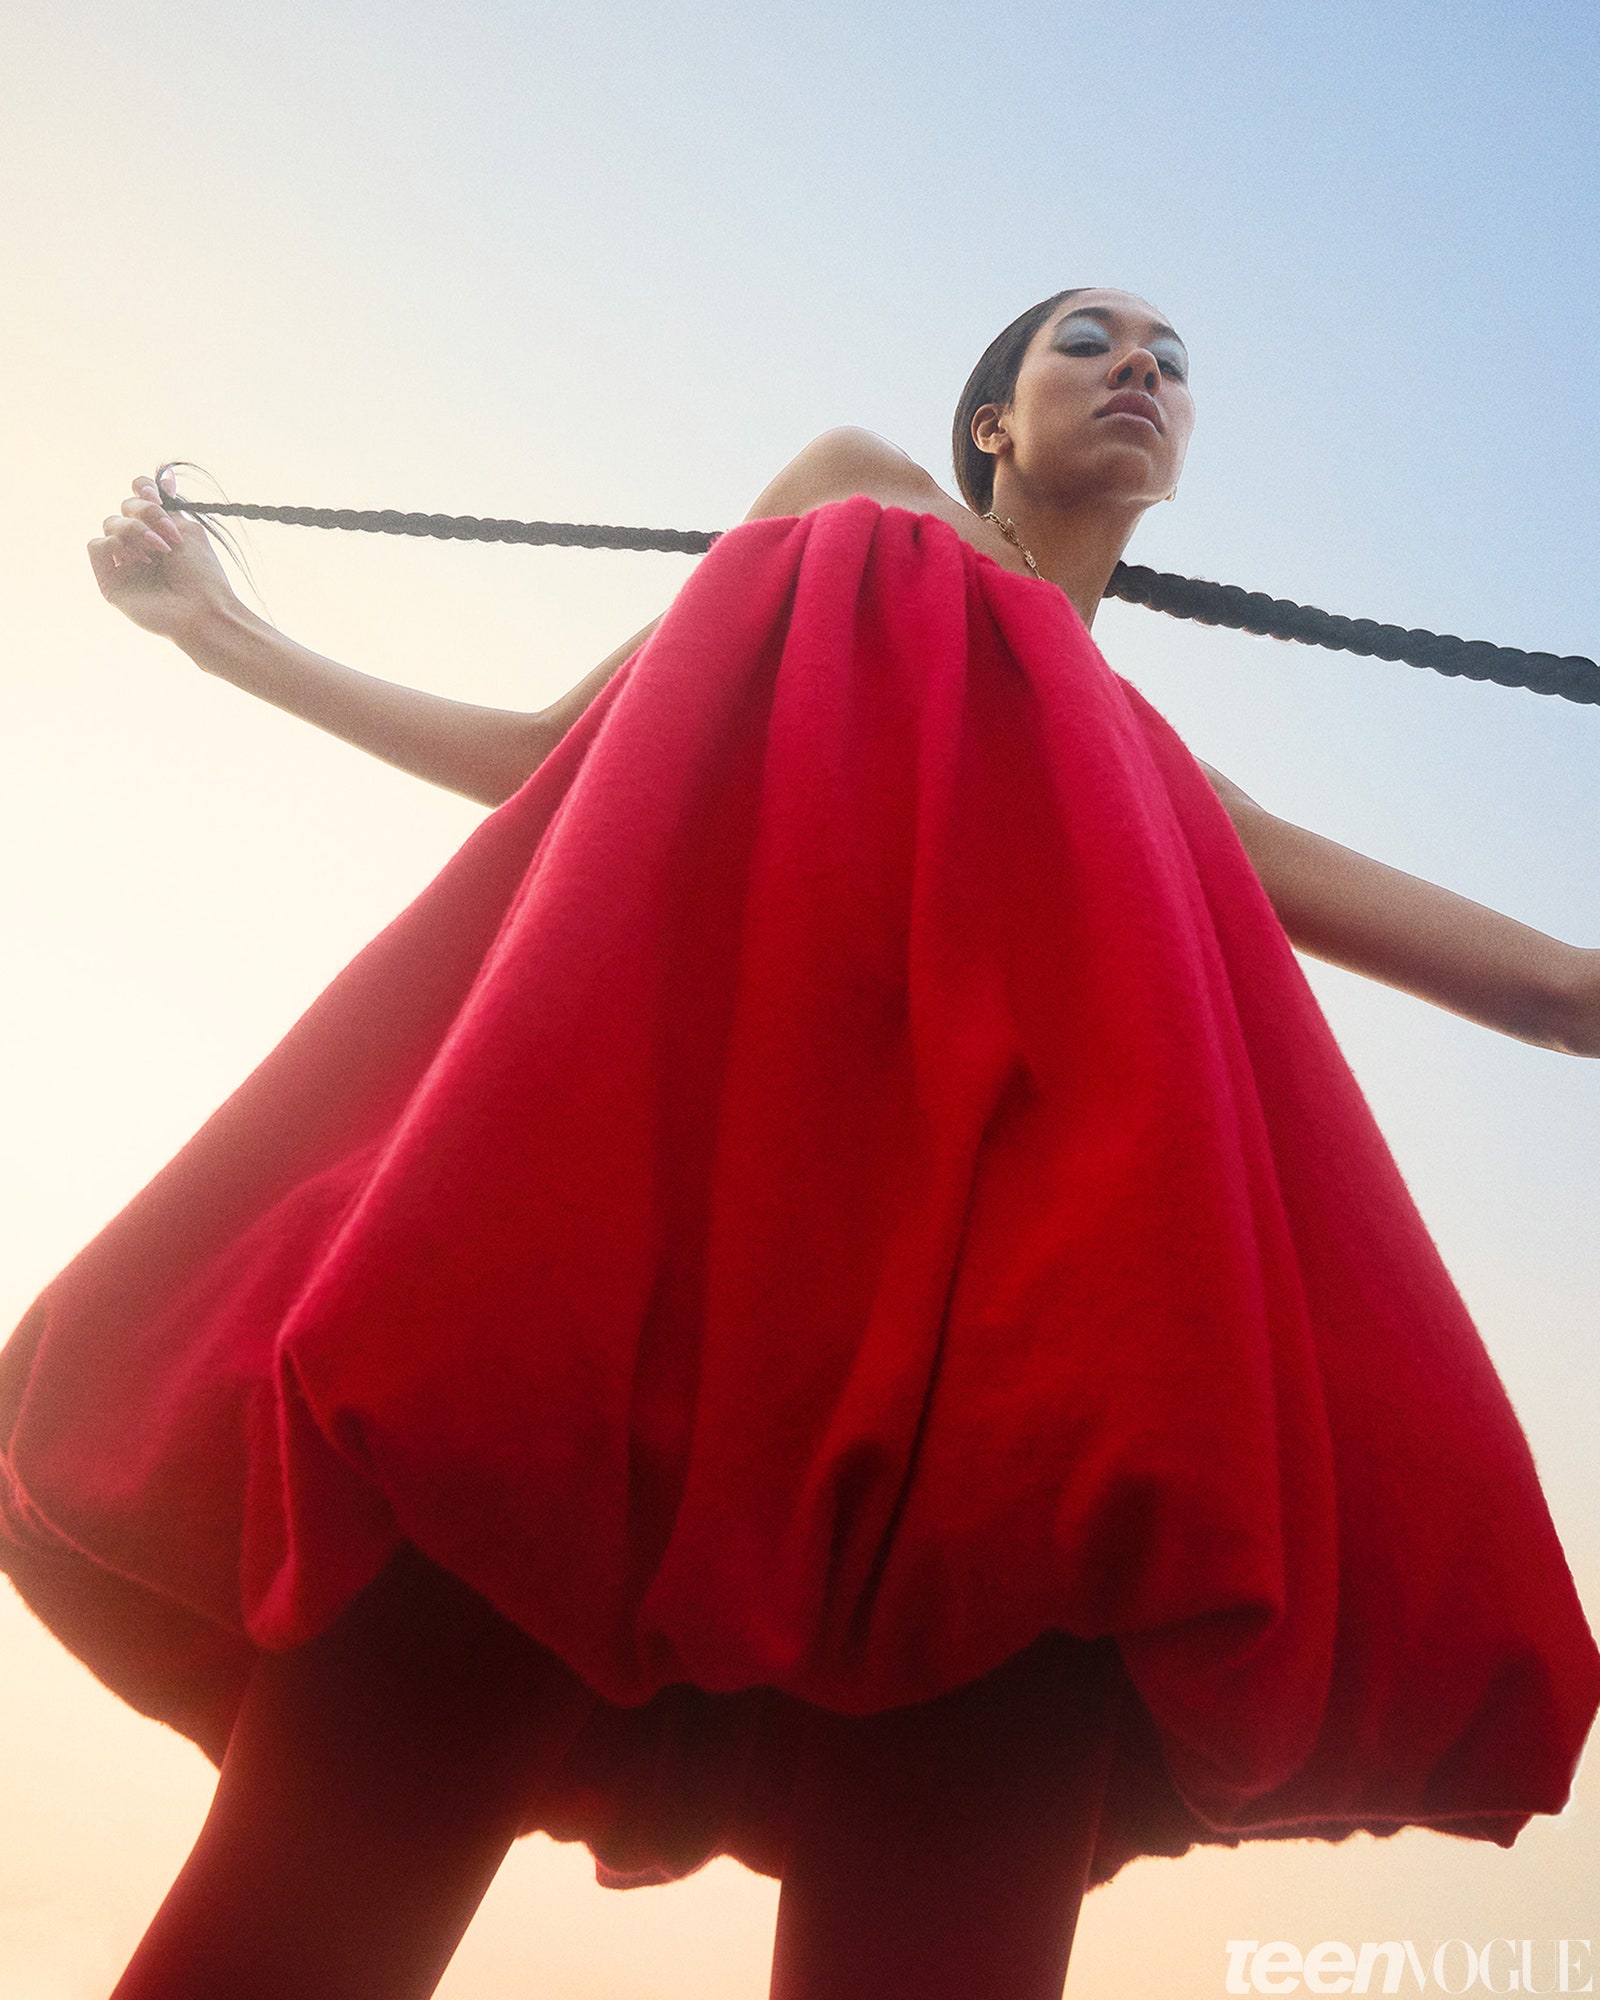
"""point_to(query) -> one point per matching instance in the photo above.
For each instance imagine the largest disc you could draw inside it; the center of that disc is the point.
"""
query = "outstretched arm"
(162, 571)
(484, 753)
(1340, 906)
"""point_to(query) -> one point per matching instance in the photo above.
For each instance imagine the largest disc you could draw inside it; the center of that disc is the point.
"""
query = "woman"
(819, 1296)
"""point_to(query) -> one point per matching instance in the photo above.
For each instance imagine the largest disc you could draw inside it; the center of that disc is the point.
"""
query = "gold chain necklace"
(1009, 530)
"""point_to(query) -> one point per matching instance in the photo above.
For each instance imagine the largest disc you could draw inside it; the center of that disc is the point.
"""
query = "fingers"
(132, 539)
(129, 550)
(145, 488)
(115, 557)
(143, 504)
(125, 543)
(142, 531)
(103, 561)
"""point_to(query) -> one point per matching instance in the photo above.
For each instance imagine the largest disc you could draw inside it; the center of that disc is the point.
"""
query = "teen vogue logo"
(1503, 1965)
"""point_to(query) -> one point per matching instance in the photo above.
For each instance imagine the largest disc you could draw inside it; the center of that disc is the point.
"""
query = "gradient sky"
(526, 260)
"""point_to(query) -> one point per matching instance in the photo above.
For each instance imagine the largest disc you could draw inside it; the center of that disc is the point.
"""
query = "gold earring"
(1173, 494)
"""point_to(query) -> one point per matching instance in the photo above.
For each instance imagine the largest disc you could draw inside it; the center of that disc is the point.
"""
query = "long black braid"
(1571, 676)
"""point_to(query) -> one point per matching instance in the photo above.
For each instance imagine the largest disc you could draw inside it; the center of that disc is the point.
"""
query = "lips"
(1133, 403)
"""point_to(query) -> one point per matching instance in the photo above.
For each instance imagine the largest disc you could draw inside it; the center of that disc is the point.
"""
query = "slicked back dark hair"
(994, 380)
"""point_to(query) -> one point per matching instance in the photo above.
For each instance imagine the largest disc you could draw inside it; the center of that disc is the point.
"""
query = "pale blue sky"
(619, 264)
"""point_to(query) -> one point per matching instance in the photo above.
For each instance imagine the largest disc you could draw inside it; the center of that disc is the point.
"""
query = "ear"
(989, 430)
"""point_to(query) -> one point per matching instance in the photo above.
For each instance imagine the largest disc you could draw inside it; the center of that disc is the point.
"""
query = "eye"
(1171, 360)
(1082, 336)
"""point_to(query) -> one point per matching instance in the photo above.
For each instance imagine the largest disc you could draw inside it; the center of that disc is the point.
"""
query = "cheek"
(1051, 379)
(1061, 403)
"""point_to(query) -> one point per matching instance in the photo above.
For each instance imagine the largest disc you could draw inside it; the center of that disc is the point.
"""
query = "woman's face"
(1101, 409)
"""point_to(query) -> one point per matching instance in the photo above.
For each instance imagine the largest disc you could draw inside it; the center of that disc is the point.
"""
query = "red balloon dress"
(841, 1176)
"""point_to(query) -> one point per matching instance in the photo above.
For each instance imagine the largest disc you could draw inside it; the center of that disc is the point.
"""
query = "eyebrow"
(1158, 328)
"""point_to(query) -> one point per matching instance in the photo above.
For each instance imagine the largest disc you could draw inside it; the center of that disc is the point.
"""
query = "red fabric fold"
(841, 1176)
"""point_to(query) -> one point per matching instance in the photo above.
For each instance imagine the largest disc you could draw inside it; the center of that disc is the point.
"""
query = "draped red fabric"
(840, 1177)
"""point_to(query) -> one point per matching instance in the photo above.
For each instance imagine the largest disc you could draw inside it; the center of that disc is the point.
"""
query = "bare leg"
(372, 1785)
(940, 1852)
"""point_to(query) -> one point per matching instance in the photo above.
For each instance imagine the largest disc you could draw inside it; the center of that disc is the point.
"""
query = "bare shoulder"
(847, 461)
(844, 462)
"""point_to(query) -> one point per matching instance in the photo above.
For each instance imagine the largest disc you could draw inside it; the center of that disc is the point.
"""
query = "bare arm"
(162, 571)
(1357, 913)
(484, 753)
(842, 463)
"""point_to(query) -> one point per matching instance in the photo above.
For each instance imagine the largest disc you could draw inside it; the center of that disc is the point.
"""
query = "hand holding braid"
(1574, 678)
(158, 567)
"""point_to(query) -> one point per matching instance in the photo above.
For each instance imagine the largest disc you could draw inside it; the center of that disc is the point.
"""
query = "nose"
(1138, 370)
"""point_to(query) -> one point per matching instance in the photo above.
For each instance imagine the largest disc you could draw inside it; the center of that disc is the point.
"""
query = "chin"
(1118, 496)
(1115, 474)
